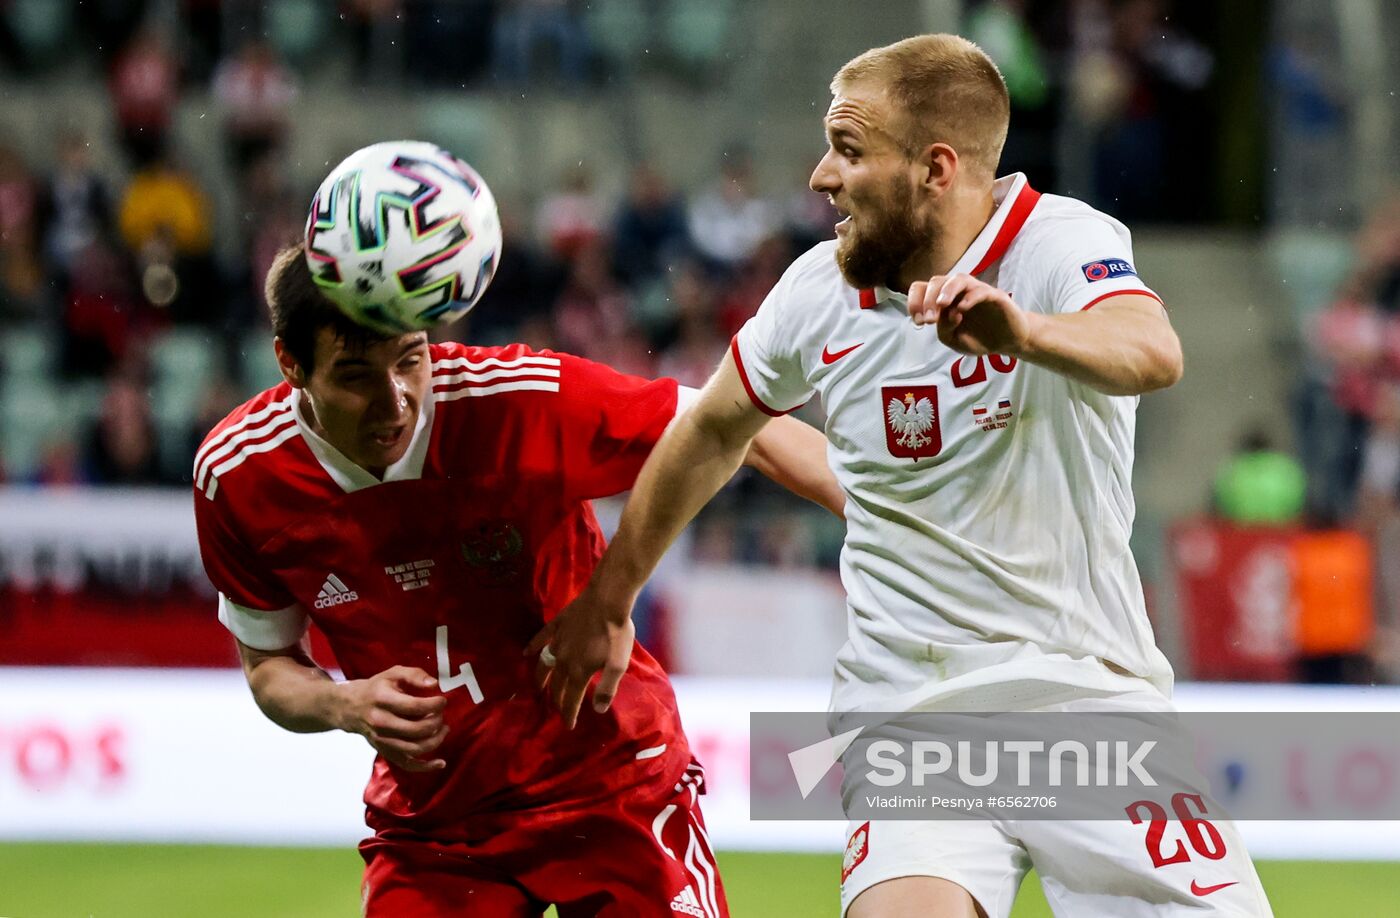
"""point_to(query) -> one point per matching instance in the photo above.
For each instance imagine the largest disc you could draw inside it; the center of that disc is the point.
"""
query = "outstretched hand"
(586, 637)
(972, 317)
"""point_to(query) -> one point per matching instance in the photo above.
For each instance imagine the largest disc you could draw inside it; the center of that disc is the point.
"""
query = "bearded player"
(427, 506)
(979, 349)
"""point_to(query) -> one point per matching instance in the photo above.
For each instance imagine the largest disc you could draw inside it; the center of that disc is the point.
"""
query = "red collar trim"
(1016, 218)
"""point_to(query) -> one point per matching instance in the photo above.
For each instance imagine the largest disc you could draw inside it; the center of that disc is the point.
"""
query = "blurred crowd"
(1108, 99)
(1353, 407)
(110, 257)
(655, 283)
(447, 43)
(1339, 495)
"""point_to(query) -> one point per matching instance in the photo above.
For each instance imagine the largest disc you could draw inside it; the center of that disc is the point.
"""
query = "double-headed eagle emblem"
(912, 420)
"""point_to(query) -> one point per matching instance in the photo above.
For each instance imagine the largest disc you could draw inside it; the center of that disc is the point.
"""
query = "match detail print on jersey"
(912, 428)
(988, 420)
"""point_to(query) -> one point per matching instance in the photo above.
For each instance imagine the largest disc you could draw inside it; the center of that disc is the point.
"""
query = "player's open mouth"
(845, 223)
(390, 437)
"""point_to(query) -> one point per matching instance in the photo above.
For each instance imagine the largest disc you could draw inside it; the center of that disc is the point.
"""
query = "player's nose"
(393, 399)
(824, 178)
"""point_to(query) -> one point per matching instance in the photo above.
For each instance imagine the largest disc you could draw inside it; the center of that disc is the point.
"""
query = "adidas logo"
(687, 904)
(334, 592)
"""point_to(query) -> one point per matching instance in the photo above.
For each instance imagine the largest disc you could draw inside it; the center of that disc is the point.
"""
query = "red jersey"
(452, 563)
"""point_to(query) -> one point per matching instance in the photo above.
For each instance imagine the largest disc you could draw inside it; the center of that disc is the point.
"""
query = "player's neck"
(959, 223)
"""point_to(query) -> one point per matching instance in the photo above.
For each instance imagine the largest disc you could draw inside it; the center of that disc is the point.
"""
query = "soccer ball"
(403, 236)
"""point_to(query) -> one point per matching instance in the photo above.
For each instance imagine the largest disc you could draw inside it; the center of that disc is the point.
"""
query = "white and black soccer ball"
(403, 236)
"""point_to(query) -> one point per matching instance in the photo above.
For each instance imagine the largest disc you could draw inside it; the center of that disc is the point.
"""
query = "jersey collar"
(352, 477)
(1014, 199)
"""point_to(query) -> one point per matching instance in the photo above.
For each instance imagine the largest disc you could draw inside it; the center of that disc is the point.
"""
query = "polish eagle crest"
(911, 419)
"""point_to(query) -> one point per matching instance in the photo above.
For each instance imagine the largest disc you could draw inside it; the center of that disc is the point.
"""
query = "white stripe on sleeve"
(685, 397)
(263, 630)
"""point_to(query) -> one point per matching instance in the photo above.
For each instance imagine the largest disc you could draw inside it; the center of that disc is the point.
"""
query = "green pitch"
(141, 881)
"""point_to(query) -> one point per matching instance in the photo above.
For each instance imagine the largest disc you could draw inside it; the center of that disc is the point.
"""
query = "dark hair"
(299, 310)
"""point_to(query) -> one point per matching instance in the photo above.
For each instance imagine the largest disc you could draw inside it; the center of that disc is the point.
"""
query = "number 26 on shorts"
(1204, 837)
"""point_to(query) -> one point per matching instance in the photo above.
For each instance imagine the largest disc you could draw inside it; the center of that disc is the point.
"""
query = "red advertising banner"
(1254, 601)
(1236, 598)
(107, 577)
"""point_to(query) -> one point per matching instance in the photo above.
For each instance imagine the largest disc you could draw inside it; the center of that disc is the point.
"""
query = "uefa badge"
(1107, 269)
(911, 421)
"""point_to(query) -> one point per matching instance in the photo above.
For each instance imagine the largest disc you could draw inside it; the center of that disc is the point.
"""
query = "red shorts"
(624, 858)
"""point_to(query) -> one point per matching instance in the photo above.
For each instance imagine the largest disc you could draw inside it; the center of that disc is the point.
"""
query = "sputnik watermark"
(812, 763)
(1074, 765)
(1112, 762)
(968, 804)
(1106, 764)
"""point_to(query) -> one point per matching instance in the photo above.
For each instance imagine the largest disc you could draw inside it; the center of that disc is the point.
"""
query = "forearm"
(688, 466)
(293, 691)
(793, 454)
(1116, 351)
(698, 453)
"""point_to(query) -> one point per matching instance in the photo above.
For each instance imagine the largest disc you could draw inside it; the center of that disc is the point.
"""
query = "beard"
(873, 250)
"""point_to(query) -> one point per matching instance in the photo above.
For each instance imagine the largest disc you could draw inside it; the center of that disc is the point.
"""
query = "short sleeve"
(263, 630)
(252, 604)
(766, 351)
(610, 423)
(1089, 259)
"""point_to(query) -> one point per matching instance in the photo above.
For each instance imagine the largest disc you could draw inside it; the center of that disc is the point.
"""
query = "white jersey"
(989, 502)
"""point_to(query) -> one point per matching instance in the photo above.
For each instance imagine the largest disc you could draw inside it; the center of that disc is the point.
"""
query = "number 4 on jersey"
(446, 679)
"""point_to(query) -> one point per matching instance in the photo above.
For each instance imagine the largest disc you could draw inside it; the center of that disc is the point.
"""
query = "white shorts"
(1151, 868)
(1094, 868)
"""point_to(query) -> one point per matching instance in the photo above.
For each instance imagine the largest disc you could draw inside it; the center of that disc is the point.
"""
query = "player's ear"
(292, 371)
(938, 167)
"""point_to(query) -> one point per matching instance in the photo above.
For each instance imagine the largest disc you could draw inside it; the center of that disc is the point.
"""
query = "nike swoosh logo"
(1207, 890)
(829, 358)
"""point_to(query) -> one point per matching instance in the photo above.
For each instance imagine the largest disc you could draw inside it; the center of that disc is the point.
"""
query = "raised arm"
(1124, 345)
(695, 458)
(789, 453)
(691, 462)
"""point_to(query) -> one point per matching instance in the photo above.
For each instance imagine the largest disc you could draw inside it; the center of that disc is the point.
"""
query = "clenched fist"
(972, 317)
(400, 712)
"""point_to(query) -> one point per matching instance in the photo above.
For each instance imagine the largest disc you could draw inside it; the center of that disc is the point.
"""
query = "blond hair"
(945, 90)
